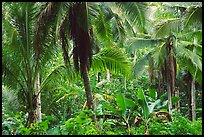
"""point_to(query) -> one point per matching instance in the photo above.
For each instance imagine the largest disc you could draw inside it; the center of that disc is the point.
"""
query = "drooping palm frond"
(160, 55)
(102, 24)
(56, 71)
(135, 12)
(64, 34)
(189, 36)
(193, 15)
(45, 19)
(188, 54)
(118, 30)
(188, 65)
(167, 27)
(141, 65)
(128, 26)
(139, 43)
(112, 59)
(184, 4)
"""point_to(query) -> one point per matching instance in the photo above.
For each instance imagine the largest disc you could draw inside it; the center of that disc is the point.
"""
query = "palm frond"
(118, 29)
(190, 67)
(141, 65)
(45, 19)
(136, 13)
(189, 36)
(167, 27)
(193, 15)
(102, 24)
(187, 54)
(160, 55)
(113, 60)
(139, 43)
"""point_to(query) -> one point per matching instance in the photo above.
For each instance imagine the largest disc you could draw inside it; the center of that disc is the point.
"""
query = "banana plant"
(147, 107)
(123, 106)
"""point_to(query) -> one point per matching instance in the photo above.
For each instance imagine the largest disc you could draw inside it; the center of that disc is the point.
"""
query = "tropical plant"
(167, 33)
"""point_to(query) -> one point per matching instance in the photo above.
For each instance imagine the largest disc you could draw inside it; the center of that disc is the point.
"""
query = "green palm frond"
(139, 43)
(136, 13)
(189, 36)
(167, 27)
(160, 55)
(190, 67)
(141, 65)
(182, 52)
(118, 29)
(102, 24)
(129, 27)
(111, 59)
(56, 71)
(182, 4)
(192, 15)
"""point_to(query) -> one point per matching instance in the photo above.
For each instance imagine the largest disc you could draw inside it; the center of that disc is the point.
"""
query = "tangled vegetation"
(102, 68)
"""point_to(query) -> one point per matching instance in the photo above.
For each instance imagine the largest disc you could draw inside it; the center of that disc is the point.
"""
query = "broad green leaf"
(120, 100)
(143, 103)
(129, 103)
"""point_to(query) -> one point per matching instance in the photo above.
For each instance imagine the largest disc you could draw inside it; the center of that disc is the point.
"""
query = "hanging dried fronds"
(46, 18)
(79, 32)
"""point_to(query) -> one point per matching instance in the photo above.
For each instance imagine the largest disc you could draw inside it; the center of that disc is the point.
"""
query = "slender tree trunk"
(108, 79)
(171, 73)
(159, 83)
(151, 70)
(169, 98)
(177, 105)
(38, 99)
(193, 99)
(89, 96)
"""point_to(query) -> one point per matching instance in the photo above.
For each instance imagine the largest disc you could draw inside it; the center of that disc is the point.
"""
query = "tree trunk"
(38, 114)
(159, 83)
(193, 99)
(177, 105)
(169, 98)
(108, 79)
(89, 96)
(171, 73)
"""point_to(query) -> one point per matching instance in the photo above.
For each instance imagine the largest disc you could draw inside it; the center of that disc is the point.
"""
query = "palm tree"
(169, 49)
(21, 69)
(81, 34)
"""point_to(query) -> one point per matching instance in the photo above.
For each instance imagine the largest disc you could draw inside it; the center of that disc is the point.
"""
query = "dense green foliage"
(140, 67)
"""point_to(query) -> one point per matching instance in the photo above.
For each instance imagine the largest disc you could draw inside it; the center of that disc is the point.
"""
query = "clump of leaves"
(80, 125)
